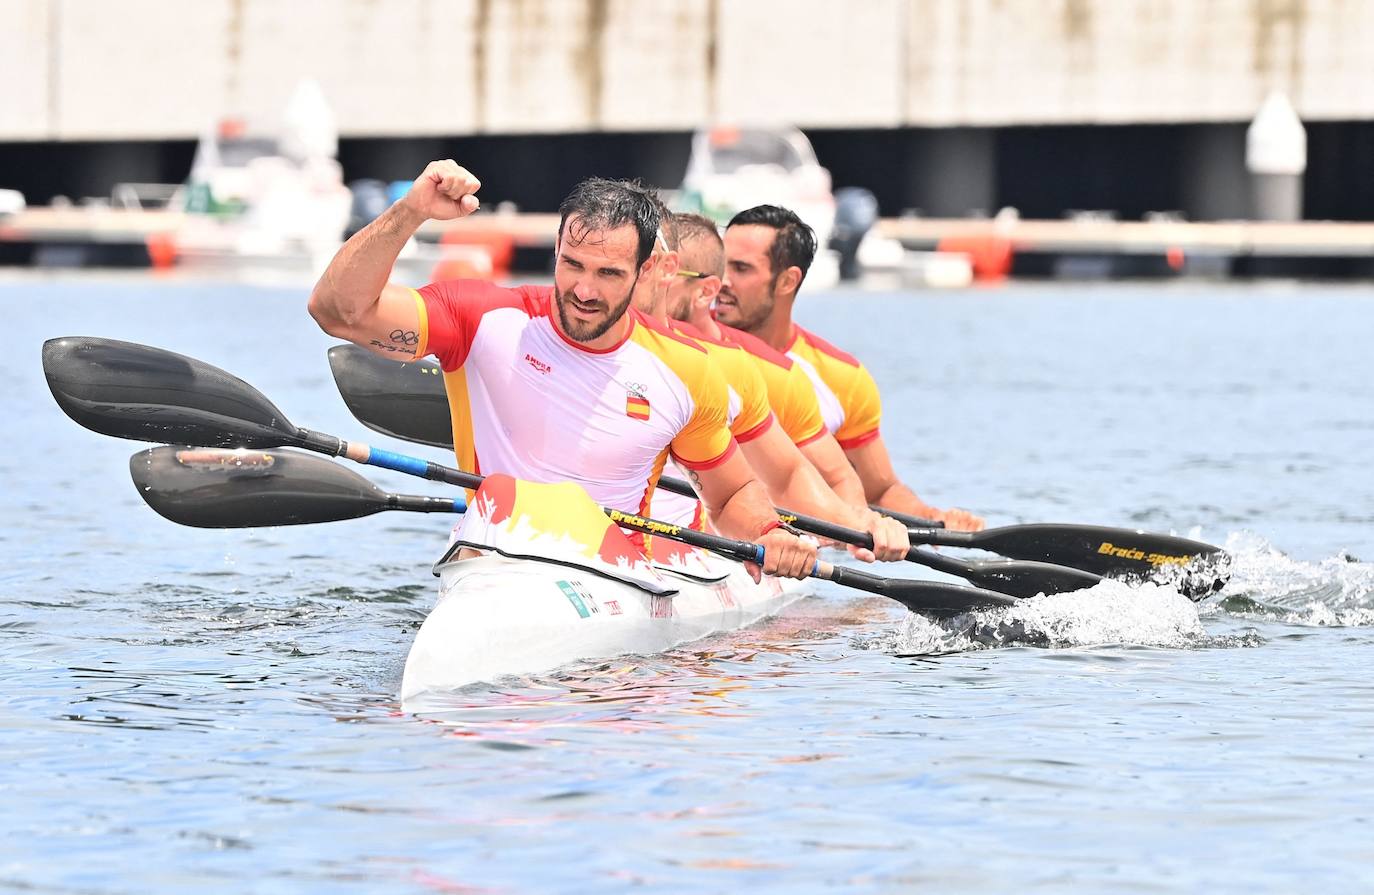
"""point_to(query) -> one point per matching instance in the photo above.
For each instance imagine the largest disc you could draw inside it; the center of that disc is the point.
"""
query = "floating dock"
(93, 237)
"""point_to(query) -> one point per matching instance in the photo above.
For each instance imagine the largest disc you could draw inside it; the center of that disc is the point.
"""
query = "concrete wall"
(25, 57)
(122, 69)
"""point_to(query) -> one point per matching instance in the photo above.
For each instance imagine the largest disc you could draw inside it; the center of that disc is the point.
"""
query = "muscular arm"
(740, 508)
(883, 488)
(794, 483)
(353, 299)
(736, 501)
(825, 454)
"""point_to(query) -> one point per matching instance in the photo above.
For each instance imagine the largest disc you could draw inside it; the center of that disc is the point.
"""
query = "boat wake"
(1110, 613)
(1267, 584)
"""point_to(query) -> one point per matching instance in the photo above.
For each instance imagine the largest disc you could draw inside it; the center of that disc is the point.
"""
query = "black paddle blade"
(1197, 569)
(928, 597)
(148, 394)
(1022, 578)
(406, 401)
(212, 488)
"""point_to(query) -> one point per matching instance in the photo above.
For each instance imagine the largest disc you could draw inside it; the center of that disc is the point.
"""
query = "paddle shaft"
(416, 503)
(743, 551)
(906, 519)
(843, 534)
(359, 452)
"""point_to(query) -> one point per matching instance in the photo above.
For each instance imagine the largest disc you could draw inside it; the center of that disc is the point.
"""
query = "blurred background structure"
(1096, 111)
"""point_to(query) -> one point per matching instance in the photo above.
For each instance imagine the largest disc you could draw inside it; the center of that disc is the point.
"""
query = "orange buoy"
(497, 246)
(990, 255)
(162, 250)
(464, 262)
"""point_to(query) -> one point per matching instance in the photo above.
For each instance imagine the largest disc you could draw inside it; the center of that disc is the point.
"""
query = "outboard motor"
(856, 211)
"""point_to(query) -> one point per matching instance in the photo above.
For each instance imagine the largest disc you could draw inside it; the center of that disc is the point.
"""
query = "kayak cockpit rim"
(653, 590)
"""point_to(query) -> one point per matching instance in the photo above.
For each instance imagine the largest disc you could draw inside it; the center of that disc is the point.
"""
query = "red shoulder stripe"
(756, 346)
(662, 329)
(538, 299)
(454, 310)
(825, 347)
(755, 432)
(849, 444)
(709, 464)
(691, 332)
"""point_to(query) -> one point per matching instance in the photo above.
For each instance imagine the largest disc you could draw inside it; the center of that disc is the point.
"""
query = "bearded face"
(588, 320)
(594, 279)
(748, 295)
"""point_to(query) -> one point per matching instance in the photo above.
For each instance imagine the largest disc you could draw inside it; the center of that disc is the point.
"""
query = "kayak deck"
(497, 616)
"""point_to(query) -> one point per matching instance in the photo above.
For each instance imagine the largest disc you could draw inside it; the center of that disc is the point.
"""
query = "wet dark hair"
(794, 243)
(601, 204)
(665, 217)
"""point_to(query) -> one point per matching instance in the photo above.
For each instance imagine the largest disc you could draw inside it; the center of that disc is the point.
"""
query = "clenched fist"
(443, 192)
(890, 539)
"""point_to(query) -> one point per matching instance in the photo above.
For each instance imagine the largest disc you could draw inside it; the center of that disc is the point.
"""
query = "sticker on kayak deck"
(660, 607)
(613, 607)
(581, 600)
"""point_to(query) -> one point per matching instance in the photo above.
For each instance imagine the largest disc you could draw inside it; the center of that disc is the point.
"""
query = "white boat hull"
(497, 616)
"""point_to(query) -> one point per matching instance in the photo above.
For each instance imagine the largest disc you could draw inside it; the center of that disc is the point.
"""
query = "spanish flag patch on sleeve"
(636, 406)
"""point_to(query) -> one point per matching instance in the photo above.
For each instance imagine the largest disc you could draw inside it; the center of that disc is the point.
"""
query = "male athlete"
(791, 481)
(790, 392)
(768, 251)
(570, 386)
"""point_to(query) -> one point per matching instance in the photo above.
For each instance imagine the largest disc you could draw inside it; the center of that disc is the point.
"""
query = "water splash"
(1109, 613)
(1268, 584)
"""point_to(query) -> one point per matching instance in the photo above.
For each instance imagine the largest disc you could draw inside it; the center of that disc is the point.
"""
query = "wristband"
(778, 523)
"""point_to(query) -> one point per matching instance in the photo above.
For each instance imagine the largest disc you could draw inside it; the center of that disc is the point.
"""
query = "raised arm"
(354, 300)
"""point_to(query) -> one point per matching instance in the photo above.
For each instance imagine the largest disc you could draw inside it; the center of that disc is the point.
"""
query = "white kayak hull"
(497, 616)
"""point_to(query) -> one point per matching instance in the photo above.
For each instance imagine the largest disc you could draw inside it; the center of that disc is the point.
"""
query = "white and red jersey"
(528, 401)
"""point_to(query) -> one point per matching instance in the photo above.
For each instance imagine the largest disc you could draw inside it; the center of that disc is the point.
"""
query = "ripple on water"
(406, 594)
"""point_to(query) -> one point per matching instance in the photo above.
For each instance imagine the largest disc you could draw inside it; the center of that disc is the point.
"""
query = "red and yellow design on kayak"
(557, 522)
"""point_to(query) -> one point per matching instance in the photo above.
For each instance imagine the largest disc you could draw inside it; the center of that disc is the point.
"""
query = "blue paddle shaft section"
(460, 505)
(397, 462)
(758, 558)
